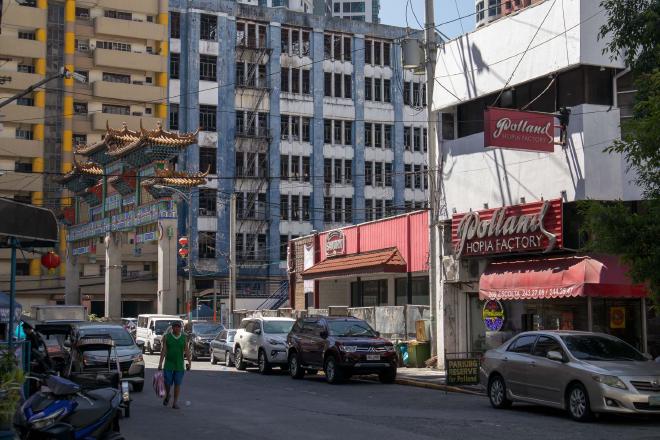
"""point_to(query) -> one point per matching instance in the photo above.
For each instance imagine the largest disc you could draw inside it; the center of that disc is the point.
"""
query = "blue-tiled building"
(310, 120)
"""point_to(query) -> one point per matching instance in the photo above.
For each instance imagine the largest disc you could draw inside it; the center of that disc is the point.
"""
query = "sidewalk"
(432, 379)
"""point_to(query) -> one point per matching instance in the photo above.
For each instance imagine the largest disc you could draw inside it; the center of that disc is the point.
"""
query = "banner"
(507, 128)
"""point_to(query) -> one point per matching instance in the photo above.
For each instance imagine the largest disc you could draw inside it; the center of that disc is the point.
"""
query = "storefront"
(378, 263)
(530, 279)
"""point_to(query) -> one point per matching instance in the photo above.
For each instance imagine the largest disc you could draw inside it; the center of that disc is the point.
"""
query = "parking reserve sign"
(462, 371)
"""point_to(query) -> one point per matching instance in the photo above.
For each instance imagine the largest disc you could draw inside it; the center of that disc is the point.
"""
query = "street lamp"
(188, 199)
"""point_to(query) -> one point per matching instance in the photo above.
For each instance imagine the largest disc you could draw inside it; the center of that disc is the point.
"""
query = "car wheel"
(214, 361)
(387, 376)
(497, 392)
(295, 370)
(333, 372)
(228, 362)
(264, 365)
(239, 363)
(578, 403)
(138, 387)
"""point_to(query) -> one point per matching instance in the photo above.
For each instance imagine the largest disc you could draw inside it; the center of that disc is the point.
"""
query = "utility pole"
(436, 298)
(190, 260)
(232, 259)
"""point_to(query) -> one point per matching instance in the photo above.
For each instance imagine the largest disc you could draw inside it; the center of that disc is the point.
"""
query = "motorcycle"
(62, 411)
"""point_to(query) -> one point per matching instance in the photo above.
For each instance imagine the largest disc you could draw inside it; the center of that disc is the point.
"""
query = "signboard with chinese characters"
(462, 371)
(507, 128)
(335, 243)
(533, 227)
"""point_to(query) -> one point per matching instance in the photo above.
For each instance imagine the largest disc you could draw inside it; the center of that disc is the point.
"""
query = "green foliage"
(11, 381)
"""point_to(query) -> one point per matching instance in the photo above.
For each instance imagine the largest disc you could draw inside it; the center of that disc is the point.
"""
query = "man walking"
(174, 348)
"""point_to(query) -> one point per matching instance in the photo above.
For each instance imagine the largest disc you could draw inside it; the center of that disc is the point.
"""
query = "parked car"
(582, 372)
(201, 335)
(341, 347)
(130, 324)
(150, 330)
(262, 342)
(129, 354)
(222, 347)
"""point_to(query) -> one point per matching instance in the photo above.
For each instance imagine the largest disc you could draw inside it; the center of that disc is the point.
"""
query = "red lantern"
(183, 252)
(183, 241)
(50, 260)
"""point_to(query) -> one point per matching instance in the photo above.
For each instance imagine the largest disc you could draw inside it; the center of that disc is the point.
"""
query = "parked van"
(150, 330)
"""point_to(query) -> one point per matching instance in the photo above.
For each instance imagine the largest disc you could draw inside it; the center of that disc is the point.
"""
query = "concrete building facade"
(311, 121)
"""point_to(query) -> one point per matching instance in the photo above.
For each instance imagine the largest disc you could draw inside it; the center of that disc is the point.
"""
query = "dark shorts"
(173, 377)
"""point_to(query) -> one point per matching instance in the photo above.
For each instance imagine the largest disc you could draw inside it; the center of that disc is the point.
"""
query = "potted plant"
(11, 381)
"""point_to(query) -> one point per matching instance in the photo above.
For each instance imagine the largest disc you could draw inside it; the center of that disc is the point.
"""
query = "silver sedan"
(584, 373)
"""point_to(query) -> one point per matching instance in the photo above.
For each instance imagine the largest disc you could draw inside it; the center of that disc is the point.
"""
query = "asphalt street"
(219, 403)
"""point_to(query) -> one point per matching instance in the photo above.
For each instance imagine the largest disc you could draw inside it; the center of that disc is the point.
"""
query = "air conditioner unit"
(83, 47)
(452, 269)
(83, 15)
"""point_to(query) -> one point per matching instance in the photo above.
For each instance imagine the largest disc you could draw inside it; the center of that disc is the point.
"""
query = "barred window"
(208, 27)
(207, 117)
(207, 67)
(174, 116)
(175, 25)
(175, 59)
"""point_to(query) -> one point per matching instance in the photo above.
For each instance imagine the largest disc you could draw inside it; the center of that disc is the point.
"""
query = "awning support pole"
(12, 295)
(645, 347)
(590, 315)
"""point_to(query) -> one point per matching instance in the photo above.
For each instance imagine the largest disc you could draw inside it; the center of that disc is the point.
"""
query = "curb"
(435, 386)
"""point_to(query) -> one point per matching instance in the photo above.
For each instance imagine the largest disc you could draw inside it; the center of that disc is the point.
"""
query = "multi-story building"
(490, 10)
(121, 48)
(364, 10)
(494, 280)
(311, 121)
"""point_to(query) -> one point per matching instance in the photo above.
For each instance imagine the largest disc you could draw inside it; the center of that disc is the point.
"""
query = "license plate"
(373, 357)
(654, 400)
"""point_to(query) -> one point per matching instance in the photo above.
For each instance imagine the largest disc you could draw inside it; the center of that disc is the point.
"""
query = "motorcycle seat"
(92, 407)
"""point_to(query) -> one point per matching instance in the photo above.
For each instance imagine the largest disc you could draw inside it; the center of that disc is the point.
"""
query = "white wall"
(481, 62)
(335, 293)
(475, 175)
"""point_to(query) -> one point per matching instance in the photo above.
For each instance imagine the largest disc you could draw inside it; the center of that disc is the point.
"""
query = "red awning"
(386, 260)
(559, 277)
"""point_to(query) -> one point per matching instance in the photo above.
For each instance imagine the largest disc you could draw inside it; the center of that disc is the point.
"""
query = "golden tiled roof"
(87, 168)
(169, 177)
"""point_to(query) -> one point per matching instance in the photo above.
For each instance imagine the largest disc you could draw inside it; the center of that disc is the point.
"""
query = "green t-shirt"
(175, 350)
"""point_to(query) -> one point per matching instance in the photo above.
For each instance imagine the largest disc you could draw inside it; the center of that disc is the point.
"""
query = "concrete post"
(72, 279)
(167, 259)
(113, 275)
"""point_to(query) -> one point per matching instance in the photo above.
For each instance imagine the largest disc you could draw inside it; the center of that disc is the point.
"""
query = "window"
(207, 159)
(348, 132)
(82, 13)
(284, 45)
(337, 210)
(425, 140)
(348, 86)
(327, 77)
(368, 50)
(388, 136)
(284, 207)
(338, 170)
(207, 117)
(378, 89)
(295, 208)
(378, 135)
(27, 135)
(295, 128)
(174, 116)
(208, 27)
(251, 161)
(306, 169)
(305, 209)
(295, 42)
(546, 344)
(25, 68)
(368, 173)
(116, 78)
(295, 80)
(388, 174)
(406, 92)
(305, 43)
(327, 170)
(206, 244)
(336, 40)
(378, 210)
(417, 140)
(284, 167)
(175, 25)
(327, 209)
(113, 45)
(337, 7)
(523, 344)
(284, 243)
(207, 67)
(295, 168)
(26, 35)
(418, 176)
(408, 174)
(119, 15)
(336, 136)
(368, 135)
(368, 85)
(347, 49)
(417, 102)
(116, 109)
(378, 173)
(348, 170)
(327, 131)
(387, 92)
(23, 167)
(306, 129)
(327, 46)
(284, 79)
(377, 48)
(284, 127)
(425, 176)
(348, 210)
(207, 202)
(306, 82)
(386, 54)
(174, 65)
(337, 91)
(25, 101)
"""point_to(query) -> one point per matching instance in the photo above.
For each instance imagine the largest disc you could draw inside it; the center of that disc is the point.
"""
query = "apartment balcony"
(130, 60)
(12, 181)
(27, 114)
(16, 47)
(131, 92)
(20, 80)
(149, 7)
(130, 28)
(18, 16)
(21, 147)
(99, 121)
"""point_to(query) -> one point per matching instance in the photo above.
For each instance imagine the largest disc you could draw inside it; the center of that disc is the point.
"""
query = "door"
(218, 343)
(517, 362)
(250, 345)
(316, 343)
(547, 377)
(307, 341)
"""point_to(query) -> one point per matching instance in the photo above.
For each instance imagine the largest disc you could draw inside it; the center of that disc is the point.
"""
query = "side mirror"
(324, 334)
(555, 356)
(377, 334)
(257, 331)
(140, 344)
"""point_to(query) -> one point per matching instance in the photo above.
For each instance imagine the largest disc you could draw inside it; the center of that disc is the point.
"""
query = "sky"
(393, 12)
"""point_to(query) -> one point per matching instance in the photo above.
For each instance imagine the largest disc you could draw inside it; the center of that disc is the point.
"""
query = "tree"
(633, 30)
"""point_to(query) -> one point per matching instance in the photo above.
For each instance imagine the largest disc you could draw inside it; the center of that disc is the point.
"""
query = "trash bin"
(418, 353)
(402, 352)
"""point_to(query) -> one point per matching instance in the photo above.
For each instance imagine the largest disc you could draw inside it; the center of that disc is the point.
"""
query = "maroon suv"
(341, 346)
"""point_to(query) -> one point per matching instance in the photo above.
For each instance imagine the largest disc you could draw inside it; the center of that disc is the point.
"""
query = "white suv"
(262, 342)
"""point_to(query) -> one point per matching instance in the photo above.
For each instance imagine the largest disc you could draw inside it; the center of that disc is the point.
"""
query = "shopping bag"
(159, 384)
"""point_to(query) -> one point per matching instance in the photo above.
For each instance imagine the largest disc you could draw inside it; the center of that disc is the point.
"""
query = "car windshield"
(351, 328)
(600, 348)
(161, 326)
(117, 334)
(277, 326)
(207, 328)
